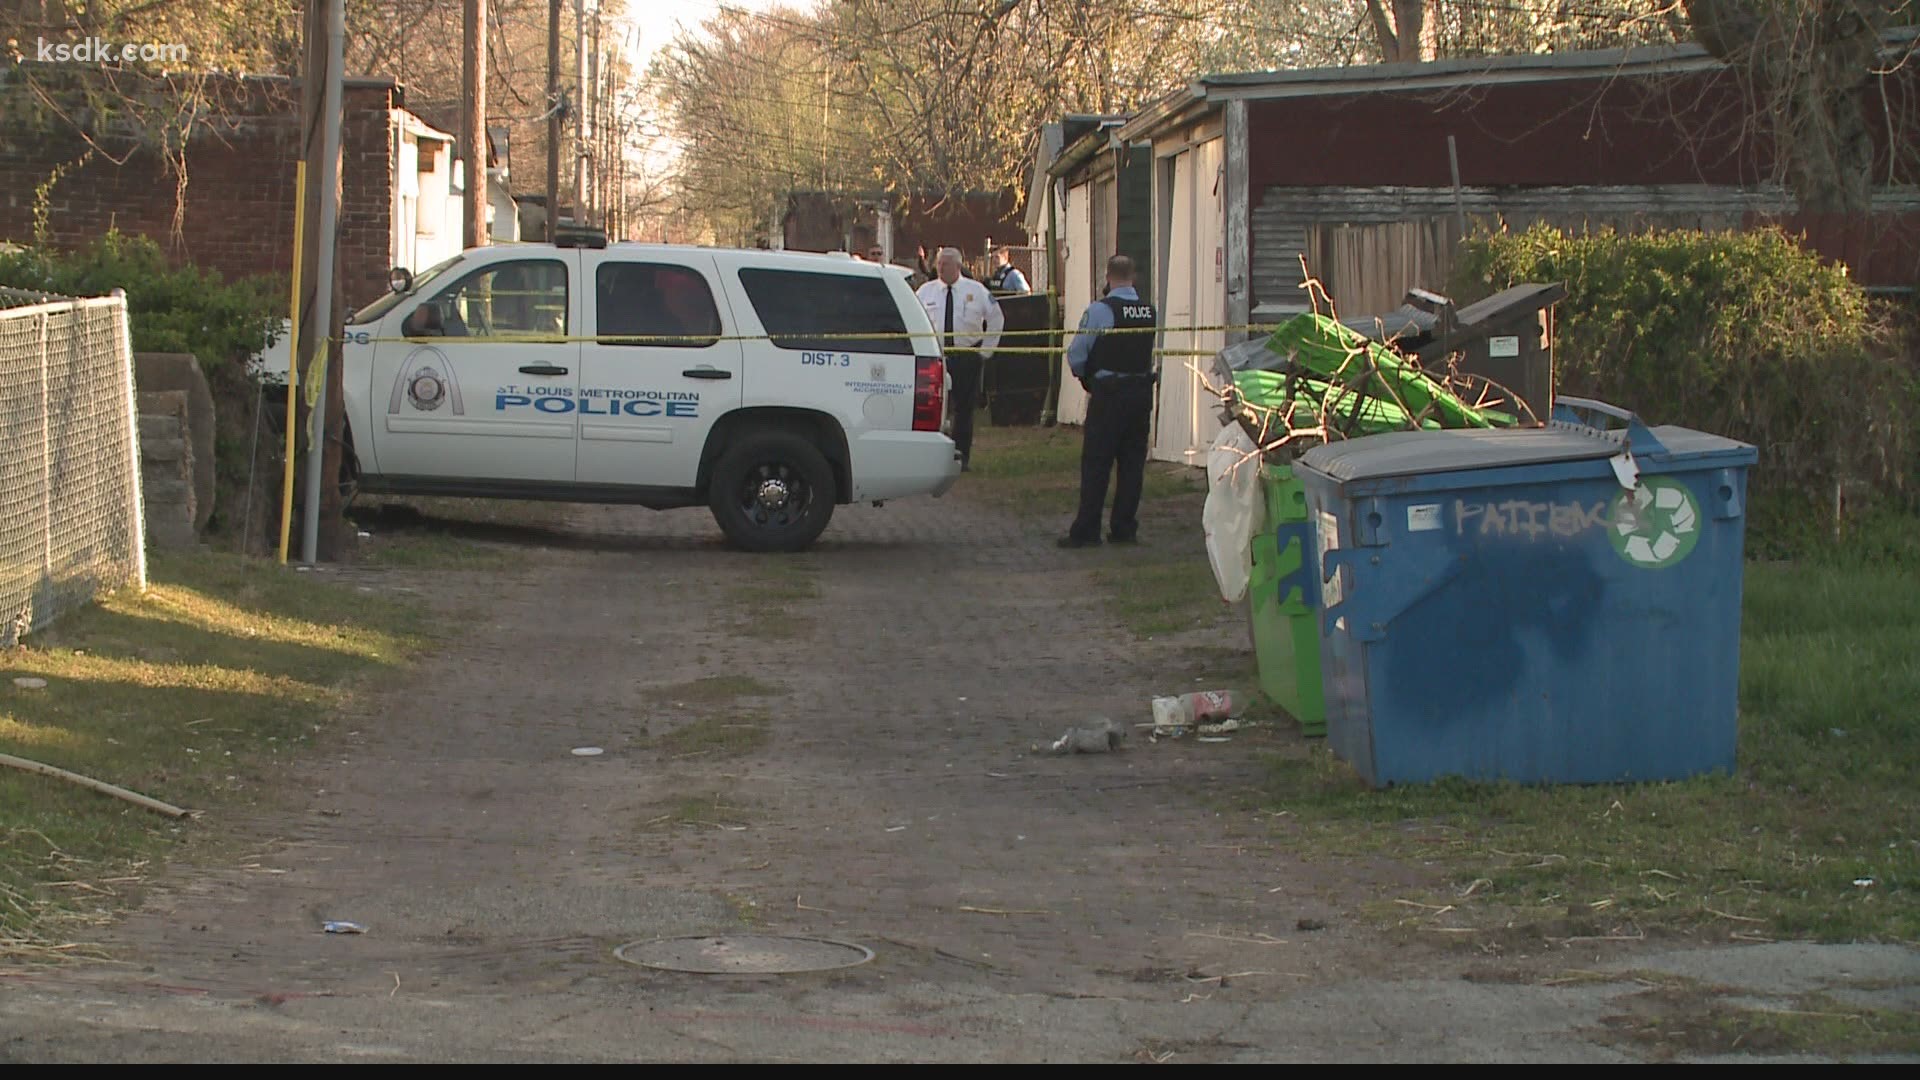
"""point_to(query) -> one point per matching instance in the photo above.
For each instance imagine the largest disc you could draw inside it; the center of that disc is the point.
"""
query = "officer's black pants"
(965, 369)
(1119, 413)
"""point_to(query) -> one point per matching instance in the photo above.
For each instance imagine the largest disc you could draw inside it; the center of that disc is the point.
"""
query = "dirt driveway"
(834, 745)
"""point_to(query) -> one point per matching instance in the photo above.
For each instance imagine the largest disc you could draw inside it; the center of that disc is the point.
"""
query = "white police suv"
(768, 386)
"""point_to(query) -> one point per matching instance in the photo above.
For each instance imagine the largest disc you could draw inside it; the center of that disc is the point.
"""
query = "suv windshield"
(386, 303)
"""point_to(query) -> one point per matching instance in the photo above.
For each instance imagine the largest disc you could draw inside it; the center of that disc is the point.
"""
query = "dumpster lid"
(1520, 301)
(1408, 453)
(1685, 444)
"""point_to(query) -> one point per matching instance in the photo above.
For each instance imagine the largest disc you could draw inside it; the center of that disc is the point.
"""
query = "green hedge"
(170, 308)
(1744, 334)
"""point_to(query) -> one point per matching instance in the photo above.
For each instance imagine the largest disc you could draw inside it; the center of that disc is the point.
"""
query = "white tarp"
(1233, 494)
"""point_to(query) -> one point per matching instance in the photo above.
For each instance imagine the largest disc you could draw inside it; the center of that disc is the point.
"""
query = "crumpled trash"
(1222, 728)
(1185, 710)
(336, 926)
(1097, 737)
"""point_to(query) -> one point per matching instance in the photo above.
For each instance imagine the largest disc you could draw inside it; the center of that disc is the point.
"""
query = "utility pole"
(620, 186)
(322, 106)
(473, 123)
(606, 123)
(580, 112)
(595, 73)
(553, 117)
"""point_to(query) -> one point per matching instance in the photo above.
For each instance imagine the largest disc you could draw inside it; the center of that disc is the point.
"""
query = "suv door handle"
(707, 373)
(542, 369)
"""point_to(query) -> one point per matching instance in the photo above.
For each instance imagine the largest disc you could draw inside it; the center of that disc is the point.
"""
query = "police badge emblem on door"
(426, 381)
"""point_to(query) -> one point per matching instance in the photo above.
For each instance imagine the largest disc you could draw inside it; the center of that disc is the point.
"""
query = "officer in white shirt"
(970, 321)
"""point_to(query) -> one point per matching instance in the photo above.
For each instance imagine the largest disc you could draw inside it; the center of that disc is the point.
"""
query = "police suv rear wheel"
(772, 492)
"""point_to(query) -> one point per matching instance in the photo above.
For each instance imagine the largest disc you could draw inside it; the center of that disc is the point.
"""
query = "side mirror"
(400, 279)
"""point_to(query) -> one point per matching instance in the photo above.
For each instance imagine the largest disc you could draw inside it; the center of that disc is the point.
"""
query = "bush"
(1744, 334)
(173, 309)
(170, 309)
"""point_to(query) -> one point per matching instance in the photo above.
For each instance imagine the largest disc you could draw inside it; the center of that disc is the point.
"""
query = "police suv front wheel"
(772, 492)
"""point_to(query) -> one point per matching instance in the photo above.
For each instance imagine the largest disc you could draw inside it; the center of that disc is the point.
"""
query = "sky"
(658, 20)
(653, 24)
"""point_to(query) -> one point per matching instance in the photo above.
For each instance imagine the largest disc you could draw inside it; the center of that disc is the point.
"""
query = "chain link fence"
(70, 514)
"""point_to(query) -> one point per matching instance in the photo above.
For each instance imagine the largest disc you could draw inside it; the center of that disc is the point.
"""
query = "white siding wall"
(1190, 239)
(1076, 292)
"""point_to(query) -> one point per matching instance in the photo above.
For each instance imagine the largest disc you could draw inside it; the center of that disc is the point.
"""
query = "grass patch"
(1156, 593)
(189, 693)
(718, 690)
(1688, 1020)
(777, 579)
(715, 736)
(429, 549)
(1035, 472)
(1162, 586)
(453, 534)
(764, 603)
(706, 811)
(1824, 796)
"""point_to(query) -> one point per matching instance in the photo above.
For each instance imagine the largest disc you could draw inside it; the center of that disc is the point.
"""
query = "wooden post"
(580, 105)
(1056, 315)
(473, 124)
(293, 357)
(1239, 225)
(322, 113)
(553, 117)
(1459, 199)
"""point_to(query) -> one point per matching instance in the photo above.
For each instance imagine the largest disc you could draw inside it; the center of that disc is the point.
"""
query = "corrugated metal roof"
(1572, 64)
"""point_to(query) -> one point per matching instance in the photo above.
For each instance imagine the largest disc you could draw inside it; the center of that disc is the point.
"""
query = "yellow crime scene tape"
(826, 338)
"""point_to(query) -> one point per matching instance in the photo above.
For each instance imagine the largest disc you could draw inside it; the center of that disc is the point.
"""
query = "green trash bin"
(1280, 604)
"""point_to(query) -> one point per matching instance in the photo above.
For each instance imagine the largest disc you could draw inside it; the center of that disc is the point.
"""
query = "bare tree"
(1402, 29)
(946, 96)
(407, 40)
(1814, 67)
(123, 107)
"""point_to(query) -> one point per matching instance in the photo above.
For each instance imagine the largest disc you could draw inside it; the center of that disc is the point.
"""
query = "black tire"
(772, 492)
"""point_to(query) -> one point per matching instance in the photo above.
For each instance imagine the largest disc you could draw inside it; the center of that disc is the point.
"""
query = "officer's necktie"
(951, 343)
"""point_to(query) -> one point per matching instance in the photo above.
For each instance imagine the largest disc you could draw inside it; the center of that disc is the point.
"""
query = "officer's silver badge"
(426, 381)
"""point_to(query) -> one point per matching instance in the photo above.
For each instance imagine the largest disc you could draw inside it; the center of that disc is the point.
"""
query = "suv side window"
(819, 311)
(509, 299)
(654, 304)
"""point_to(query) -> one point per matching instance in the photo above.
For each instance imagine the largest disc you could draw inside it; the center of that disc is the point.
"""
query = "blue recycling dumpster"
(1547, 605)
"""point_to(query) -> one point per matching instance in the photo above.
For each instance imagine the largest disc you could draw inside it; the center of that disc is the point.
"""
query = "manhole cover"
(745, 954)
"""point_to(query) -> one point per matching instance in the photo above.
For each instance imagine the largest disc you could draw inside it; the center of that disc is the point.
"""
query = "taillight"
(929, 393)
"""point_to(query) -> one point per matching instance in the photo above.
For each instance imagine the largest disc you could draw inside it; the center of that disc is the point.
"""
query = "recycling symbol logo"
(1655, 525)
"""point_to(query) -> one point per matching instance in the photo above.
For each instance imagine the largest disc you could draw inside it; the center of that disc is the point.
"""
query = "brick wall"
(239, 196)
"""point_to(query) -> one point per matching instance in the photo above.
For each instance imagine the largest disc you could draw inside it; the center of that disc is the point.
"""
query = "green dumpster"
(1280, 604)
(1335, 382)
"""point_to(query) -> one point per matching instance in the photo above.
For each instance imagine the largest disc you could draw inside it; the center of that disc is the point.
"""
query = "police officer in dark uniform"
(1006, 279)
(1117, 371)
